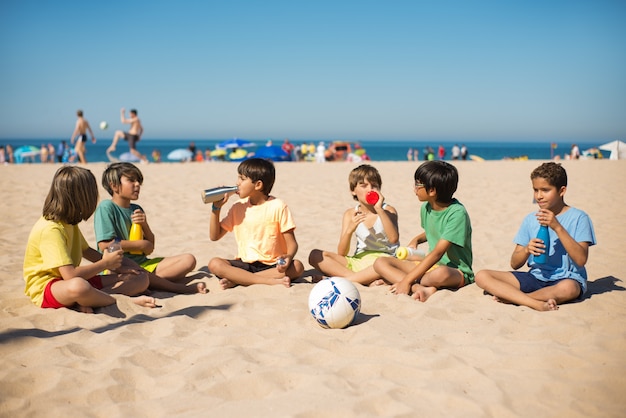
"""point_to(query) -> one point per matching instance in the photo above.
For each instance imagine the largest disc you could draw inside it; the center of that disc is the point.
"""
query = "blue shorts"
(529, 283)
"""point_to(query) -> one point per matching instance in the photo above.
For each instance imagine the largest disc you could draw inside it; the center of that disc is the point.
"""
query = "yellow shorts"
(364, 260)
(151, 264)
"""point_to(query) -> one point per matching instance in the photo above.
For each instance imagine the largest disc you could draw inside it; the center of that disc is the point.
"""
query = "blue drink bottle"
(543, 235)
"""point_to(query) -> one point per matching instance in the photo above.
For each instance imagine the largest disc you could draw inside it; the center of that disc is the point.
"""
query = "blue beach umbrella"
(235, 143)
(272, 152)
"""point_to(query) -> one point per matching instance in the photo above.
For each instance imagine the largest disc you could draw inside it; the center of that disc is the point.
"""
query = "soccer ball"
(103, 125)
(334, 302)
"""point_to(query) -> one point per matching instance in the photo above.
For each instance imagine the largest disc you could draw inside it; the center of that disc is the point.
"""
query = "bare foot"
(286, 281)
(110, 149)
(317, 278)
(201, 287)
(377, 282)
(422, 293)
(145, 301)
(84, 309)
(226, 284)
(550, 305)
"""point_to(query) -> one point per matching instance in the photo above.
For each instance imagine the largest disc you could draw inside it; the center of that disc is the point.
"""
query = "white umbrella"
(180, 154)
(617, 149)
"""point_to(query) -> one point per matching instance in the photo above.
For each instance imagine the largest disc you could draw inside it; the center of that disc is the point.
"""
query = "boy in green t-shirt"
(448, 231)
(112, 222)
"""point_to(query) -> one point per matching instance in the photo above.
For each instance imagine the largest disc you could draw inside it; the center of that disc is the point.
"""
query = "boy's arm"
(292, 246)
(519, 256)
(146, 245)
(123, 116)
(351, 219)
(419, 239)
(93, 137)
(99, 262)
(216, 231)
(578, 251)
(415, 275)
(389, 219)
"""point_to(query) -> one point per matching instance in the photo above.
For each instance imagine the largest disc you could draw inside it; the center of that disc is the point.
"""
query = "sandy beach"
(256, 351)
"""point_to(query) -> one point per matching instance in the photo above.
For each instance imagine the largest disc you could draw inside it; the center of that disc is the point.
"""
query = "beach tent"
(617, 149)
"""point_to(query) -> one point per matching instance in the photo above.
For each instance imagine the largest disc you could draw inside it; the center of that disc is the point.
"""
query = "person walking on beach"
(132, 136)
(80, 135)
(375, 226)
(464, 153)
(263, 228)
(52, 271)
(112, 223)
(448, 232)
(563, 277)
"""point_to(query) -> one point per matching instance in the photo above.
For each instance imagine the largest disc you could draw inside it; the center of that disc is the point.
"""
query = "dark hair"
(364, 172)
(259, 169)
(554, 174)
(112, 175)
(133, 111)
(79, 113)
(438, 175)
(73, 196)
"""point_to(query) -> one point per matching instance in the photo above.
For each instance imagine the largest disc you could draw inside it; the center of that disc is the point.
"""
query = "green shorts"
(151, 264)
(364, 260)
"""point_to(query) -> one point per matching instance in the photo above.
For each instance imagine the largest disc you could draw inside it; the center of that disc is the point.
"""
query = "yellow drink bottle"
(135, 234)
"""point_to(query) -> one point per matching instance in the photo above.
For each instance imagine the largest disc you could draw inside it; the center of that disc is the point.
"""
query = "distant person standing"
(409, 154)
(132, 136)
(61, 151)
(456, 152)
(575, 152)
(80, 135)
(441, 153)
(463, 152)
(320, 154)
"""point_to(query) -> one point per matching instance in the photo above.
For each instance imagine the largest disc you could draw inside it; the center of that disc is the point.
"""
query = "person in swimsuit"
(132, 136)
(80, 135)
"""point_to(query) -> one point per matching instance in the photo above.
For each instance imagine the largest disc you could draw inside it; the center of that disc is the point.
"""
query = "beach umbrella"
(272, 152)
(180, 154)
(617, 149)
(26, 151)
(129, 157)
(235, 143)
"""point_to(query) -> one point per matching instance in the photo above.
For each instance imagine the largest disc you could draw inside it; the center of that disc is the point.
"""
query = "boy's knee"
(481, 277)
(315, 257)
(77, 287)
(215, 265)
(190, 261)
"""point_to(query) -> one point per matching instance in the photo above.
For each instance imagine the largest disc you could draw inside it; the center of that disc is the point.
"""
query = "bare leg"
(171, 269)
(231, 276)
(330, 264)
(118, 135)
(504, 286)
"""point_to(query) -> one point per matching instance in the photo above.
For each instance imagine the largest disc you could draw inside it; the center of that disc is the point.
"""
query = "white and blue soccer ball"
(334, 302)
(103, 125)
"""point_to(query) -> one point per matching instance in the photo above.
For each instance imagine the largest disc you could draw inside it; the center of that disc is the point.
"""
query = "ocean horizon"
(377, 150)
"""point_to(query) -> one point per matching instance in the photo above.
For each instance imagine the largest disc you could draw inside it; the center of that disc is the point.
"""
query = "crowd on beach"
(264, 231)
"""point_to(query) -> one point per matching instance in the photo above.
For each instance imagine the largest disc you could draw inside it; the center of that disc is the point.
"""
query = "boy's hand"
(138, 217)
(357, 218)
(401, 288)
(536, 247)
(113, 260)
(283, 263)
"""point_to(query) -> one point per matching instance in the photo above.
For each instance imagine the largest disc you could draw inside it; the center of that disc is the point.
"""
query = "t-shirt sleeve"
(104, 222)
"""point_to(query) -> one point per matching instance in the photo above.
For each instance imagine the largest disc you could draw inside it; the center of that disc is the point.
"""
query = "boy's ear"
(562, 191)
(258, 185)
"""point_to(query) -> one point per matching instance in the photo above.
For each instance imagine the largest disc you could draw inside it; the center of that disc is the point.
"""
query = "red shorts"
(48, 298)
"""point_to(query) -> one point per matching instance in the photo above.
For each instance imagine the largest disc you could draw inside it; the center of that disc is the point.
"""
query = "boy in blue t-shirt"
(562, 277)
(448, 231)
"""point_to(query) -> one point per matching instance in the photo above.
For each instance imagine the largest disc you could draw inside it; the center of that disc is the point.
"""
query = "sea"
(377, 150)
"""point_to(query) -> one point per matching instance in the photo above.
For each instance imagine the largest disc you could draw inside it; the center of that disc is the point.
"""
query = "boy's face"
(247, 186)
(547, 195)
(128, 188)
(362, 188)
(422, 194)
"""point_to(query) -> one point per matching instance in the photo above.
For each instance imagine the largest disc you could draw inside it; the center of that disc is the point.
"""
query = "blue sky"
(446, 70)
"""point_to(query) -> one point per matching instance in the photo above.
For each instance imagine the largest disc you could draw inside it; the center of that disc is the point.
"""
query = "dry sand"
(257, 352)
